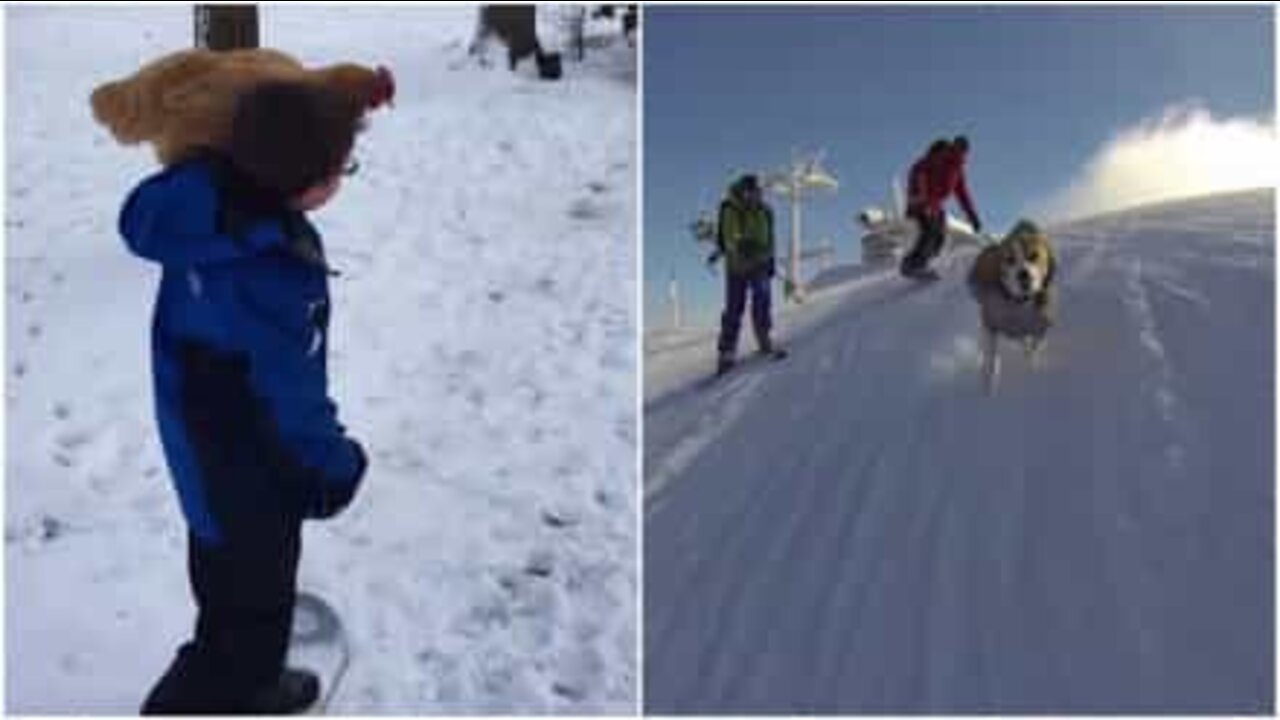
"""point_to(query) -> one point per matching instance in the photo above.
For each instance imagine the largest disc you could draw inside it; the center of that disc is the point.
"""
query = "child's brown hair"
(290, 136)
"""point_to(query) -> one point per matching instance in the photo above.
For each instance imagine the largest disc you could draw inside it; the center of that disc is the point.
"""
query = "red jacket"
(934, 178)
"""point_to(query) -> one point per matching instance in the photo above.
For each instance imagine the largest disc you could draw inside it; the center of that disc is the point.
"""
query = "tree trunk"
(225, 27)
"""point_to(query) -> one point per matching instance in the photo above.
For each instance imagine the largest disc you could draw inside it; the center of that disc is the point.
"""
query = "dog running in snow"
(1013, 284)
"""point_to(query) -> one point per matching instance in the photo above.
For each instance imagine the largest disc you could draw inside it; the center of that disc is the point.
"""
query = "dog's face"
(1025, 265)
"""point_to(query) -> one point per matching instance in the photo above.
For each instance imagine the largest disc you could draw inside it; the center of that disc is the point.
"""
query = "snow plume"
(1184, 152)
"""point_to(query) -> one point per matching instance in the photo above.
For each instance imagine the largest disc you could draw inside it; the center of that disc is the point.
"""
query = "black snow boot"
(724, 364)
(549, 67)
(294, 692)
(769, 350)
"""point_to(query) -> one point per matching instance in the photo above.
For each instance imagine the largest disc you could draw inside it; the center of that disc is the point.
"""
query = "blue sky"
(1037, 90)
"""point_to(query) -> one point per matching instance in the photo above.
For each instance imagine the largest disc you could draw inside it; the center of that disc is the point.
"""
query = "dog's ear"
(1044, 298)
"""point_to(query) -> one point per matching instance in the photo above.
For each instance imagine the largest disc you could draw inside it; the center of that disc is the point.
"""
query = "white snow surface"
(482, 349)
(859, 528)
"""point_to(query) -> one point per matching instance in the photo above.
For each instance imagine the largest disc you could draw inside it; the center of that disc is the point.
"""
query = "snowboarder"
(745, 237)
(933, 179)
(239, 348)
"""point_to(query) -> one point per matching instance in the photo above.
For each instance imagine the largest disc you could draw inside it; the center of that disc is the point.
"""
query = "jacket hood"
(179, 217)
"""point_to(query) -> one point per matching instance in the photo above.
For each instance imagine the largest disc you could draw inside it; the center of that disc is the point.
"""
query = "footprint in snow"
(568, 691)
(51, 528)
(541, 564)
(606, 499)
(585, 209)
(559, 519)
(44, 530)
(72, 439)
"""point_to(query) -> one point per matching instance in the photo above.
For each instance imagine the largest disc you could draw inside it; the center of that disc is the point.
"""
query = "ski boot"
(768, 350)
(725, 363)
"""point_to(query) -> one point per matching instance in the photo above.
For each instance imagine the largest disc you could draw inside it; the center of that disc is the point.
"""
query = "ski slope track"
(861, 529)
(482, 348)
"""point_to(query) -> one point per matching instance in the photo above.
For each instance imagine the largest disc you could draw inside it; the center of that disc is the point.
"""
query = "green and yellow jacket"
(746, 235)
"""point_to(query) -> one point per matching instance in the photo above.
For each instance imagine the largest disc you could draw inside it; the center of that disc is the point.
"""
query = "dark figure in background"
(516, 27)
(630, 17)
(933, 179)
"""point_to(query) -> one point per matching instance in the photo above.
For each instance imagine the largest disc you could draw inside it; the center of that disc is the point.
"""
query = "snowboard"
(318, 643)
(926, 275)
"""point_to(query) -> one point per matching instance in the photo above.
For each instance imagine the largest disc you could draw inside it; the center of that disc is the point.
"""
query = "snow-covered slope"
(859, 528)
(483, 349)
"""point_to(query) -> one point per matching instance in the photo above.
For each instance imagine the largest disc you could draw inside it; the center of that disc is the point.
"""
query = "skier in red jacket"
(934, 178)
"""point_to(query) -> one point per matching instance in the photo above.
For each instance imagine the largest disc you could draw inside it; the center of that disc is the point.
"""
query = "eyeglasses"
(351, 167)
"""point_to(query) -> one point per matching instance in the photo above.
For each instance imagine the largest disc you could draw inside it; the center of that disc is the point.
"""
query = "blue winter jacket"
(239, 345)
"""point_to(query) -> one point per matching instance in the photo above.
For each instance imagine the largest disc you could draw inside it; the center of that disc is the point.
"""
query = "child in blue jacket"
(239, 346)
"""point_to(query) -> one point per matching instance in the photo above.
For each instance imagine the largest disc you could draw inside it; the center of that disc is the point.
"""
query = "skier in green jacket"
(745, 235)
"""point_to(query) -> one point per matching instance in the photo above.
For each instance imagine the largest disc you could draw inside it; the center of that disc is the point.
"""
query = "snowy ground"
(859, 528)
(483, 349)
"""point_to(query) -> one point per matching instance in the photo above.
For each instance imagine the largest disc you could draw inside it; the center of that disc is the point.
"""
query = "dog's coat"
(1013, 283)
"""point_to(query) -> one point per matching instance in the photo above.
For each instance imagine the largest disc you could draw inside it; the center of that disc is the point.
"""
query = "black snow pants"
(933, 234)
(244, 590)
